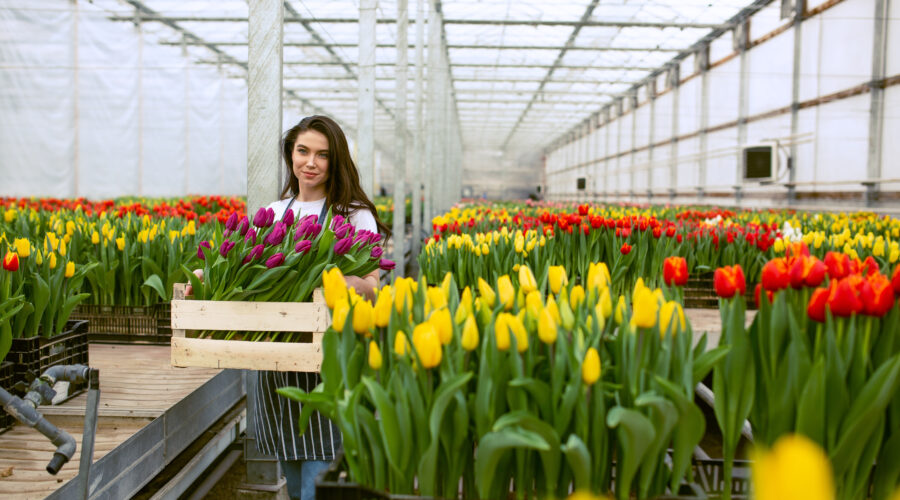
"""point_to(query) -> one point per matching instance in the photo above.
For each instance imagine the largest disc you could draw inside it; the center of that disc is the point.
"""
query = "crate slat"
(275, 356)
(249, 316)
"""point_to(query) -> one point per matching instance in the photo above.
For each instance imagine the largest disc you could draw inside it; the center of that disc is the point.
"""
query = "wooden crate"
(250, 317)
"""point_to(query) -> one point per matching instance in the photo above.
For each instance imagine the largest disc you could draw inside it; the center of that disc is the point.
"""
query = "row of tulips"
(820, 359)
(486, 241)
(279, 261)
(544, 382)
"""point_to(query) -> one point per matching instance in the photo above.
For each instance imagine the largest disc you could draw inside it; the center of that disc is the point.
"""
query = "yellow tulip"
(547, 329)
(533, 304)
(601, 318)
(566, 316)
(605, 303)
(526, 280)
(441, 321)
(120, 243)
(795, 467)
(470, 334)
(488, 296)
(620, 309)
(778, 247)
(557, 277)
(401, 345)
(23, 247)
(339, 314)
(598, 276)
(553, 308)
(590, 367)
(518, 329)
(436, 297)
(9, 215)
(374, 355)
(501, 330)
(506, 292)
(576, 296)
(95, 238)
(335, 286)
(427, 344)
(465, 301)
(445, 284)
(52, 259)
(70, 269)
(382, 308)
(191, 228)
(895, 254)
(403, 294)
(363, 317)
(670, 310)
(62, 248)
(38, 258)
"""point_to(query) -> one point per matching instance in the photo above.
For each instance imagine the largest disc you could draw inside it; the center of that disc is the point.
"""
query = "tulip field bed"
(196, 315)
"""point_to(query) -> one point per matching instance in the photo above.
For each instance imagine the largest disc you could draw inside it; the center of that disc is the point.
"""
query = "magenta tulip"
(203, 244)
(377, 252)
(343, 246)
(387, 265)
(303, 246)
(275, 260)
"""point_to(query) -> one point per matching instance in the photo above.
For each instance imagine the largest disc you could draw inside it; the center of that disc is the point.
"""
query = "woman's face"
(310, 159)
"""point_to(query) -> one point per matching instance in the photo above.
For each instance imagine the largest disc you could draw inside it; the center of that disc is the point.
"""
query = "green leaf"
(887, 473)
(579, 459)
(811, 406)
(688, 432)
(707, 360)
(550, 458)
(387, 423)
(636, 434)
(155, 282)
(491, 449)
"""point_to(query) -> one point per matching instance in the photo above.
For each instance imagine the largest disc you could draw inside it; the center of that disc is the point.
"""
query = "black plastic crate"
(122, 324)
(164, 322)
(333, 483)
(7, 380)
(36, 354)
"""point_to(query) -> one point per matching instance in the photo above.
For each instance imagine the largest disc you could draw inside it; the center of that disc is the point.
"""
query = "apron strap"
(322, 213)
(288, 208)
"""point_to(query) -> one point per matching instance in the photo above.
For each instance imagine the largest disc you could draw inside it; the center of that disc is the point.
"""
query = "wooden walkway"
(137, 385)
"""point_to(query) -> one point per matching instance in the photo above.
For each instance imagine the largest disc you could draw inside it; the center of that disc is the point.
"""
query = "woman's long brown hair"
(343, 192)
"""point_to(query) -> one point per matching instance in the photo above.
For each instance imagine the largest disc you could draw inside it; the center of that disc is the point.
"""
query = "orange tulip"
(729, 280)
(675, 272)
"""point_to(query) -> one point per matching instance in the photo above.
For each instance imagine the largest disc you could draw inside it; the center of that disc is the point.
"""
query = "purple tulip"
(288, 218)
(232, 222)
(343, 246)
(226, 247)
(313, 230)
(343, 231)
(336, 221)
(251, 237)
(387, 265)
(270, 216)
(244, 225)
(259, 220)
(275, 260)
(203, 244)
(377, 252)
(303, 246)
(374, 238)
(361, 235)
(275, 237)
(254, 254)
(302, 226)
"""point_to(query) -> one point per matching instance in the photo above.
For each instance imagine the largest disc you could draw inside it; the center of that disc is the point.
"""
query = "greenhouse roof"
(523, 73)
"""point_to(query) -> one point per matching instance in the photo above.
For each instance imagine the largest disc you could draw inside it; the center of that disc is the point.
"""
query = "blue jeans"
(301, 477)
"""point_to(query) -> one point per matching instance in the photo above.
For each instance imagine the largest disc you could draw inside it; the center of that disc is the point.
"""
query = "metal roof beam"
(457, 46)
(556, 64)
(480, 22)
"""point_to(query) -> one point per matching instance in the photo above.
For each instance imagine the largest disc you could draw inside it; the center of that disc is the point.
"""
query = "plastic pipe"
(27, 414)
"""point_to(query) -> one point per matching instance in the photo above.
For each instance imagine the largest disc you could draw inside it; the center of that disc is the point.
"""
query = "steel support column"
(432, 155)
(419, 163)
(264, 114)
(400, 165)
(703, 64)
(365, 139)
(741, 42)
(799, 8)
(876, 107)
(674, 82)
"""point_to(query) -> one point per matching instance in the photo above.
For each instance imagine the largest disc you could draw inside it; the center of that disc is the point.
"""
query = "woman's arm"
(364, 285)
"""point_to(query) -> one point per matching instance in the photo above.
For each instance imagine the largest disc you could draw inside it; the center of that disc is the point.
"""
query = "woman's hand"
(365, 285)
(189, 290)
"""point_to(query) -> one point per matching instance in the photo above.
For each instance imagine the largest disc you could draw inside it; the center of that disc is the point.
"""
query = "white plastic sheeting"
(92, 108)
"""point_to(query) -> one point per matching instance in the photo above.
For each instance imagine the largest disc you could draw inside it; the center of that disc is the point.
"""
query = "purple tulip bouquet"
(281, 261)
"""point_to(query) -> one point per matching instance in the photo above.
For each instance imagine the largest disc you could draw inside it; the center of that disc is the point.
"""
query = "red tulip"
(583, 209)
(625, 248)
(895, 280)
(11, 261)
(838, 265)
(675, 271)
(775, 275)
(729, 280)
(843, 300)
(807, 271)
(816, 308)
(877, 296)
(869, 267)
(757, 292)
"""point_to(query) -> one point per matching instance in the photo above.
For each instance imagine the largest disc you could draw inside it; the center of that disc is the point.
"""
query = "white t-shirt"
(361, 218)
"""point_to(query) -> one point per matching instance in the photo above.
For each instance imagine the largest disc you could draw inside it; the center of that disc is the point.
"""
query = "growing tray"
(194, 315)
(36, 354)
(125, 324)
(333, 484)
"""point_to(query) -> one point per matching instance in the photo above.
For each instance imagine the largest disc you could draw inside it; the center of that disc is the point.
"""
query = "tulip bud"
(232, 223)
(557, 277)
(669, 311)
(401, 345)
(386, 265)
(11, 262)
(620, 309)
(675, 271)
(506, 292)
(487, 293)
(576, 296)
(590, 367)
(95, 238)
(339, 314)
(428, 345)
(302, 246)
(442, 323)
(376, 252)
(470, 334)
(226, 247)
(259, 220)
(526, 280)
(645, 307)
(288, 219)
(363, 317)
(533, 304)
(795, 467)
(436, 297)
(547, 329)
(566, 316)
(518, 329)
(383, 309)
(275, 260)
(374, 356)
(553, 309)
(501, 331)
(23, 247)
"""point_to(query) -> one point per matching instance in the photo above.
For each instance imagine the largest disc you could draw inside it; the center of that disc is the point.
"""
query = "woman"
(320, 175)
